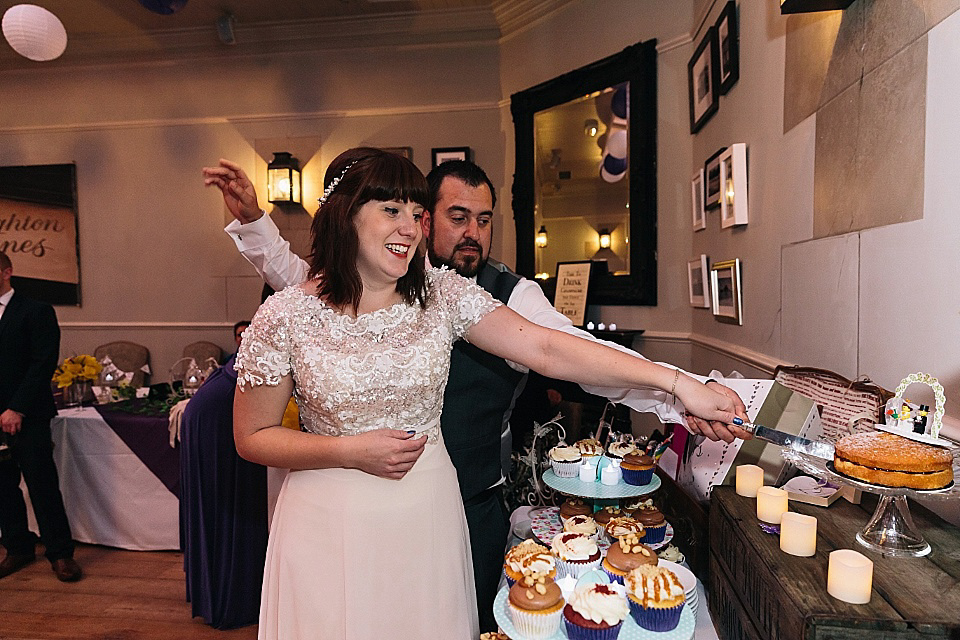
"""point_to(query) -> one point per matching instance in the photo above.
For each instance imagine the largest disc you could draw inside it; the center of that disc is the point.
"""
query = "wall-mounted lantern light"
(591, 127)
(541, 240)
(283, 179)
(604, 239)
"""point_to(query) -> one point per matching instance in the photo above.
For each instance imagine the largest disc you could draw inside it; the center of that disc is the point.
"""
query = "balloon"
(34, 32)
(164, 7)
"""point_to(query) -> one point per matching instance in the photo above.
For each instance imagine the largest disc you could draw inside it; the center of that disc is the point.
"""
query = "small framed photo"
(696, 197)
(726, 292)
(728, 38)
(573, 283)
(733, 177)
(711, 180)
(699, 283)
(702, 78)
(403, 152)
(443, 154)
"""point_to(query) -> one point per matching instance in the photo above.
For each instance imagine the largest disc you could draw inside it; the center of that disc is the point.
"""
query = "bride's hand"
(711, 412)
(238, 192)
(387, 453)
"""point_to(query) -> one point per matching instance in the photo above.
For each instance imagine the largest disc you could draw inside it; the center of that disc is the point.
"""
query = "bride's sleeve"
(466, 301)
(264, 354)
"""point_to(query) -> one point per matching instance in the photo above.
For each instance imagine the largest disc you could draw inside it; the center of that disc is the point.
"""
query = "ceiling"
(105, 31)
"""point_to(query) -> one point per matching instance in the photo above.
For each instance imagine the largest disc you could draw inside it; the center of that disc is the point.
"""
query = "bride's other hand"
(238, 192)
(711, 409)
(387, 453)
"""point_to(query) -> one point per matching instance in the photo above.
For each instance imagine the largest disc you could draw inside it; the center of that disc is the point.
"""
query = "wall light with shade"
(34, 32)
(283, 179)
(604, 239)
(541, 239)
(591, 127)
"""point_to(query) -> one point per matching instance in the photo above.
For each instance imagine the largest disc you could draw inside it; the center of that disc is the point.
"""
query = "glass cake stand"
(891, 530)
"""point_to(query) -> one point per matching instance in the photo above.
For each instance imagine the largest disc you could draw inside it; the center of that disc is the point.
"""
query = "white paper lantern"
(34, 32)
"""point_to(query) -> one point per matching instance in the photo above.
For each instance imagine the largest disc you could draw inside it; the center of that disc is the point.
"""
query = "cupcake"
(654, 524)
(575, 553)
(656, 597)
(565, 460)
(574, 507)
(494, 635)
(595, 612)
(536, 606)
(637, 468)
(617, 450)
(625, 555)
(590, 447)
(582, 524)
(603, 516)
(528, 557)
(629, 505)
(624, 526)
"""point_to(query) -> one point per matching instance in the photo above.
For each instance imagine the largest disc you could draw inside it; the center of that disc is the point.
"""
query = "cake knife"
(814, 448)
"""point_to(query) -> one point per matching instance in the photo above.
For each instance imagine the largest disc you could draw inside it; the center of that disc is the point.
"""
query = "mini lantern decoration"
(541, 240)
(34, 32)
(283, 179)
(604, 239)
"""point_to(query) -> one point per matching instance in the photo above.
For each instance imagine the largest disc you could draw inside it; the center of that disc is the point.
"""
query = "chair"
(202, 351)
(129, 357)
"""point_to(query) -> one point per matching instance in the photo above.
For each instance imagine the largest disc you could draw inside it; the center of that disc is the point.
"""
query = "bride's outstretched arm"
(566, 357)
(257, 411)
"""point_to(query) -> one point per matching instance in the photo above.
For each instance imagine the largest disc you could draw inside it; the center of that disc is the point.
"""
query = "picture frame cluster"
(714, 67)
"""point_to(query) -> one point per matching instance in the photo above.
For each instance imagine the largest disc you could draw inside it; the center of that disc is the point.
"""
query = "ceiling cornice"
(515, 16)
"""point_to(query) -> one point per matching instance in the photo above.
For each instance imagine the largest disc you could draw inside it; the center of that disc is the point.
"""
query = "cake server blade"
(815, 448)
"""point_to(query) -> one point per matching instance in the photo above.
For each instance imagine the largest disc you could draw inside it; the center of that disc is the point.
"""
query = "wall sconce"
(808, 6)
(283, 179)
(604, 239)
(541, 239)
(591, 127)
(543, 275)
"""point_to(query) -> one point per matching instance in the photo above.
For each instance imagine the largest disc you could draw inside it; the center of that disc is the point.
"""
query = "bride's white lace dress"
(351, 555)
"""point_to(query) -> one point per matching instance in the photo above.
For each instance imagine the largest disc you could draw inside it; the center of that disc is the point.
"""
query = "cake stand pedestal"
(891, 530)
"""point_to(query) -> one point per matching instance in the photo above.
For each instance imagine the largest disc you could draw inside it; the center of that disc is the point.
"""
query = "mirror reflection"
(582, 201)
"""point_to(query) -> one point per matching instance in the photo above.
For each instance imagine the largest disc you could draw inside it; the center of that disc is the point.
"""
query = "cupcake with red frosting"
(536, 606)
(595, 612)
(582, 524)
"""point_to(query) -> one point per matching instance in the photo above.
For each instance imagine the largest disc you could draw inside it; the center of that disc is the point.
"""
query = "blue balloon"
(164, 7)
(614, 165)
(618, 104)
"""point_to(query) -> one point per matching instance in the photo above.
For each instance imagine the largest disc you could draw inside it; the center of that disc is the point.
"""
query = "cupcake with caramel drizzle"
(625, 555)
(536, 606)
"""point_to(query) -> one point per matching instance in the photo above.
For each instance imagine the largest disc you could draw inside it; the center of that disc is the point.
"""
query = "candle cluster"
(849, 574)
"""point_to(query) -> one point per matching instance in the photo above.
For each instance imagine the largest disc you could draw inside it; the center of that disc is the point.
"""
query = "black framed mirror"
(586, 165)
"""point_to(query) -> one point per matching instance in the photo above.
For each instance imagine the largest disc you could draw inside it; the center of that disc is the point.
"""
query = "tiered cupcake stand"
(545, 524)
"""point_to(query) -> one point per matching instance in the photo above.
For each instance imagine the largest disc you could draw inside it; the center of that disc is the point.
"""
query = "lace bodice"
(384, 369)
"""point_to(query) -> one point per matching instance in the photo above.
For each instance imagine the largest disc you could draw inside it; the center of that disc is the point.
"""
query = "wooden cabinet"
(757, 592)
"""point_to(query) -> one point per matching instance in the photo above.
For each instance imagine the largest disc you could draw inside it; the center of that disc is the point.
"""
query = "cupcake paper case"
(536, 606)
(565, 460)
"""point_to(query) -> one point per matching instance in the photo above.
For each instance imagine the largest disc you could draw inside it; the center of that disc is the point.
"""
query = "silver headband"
(333, 183)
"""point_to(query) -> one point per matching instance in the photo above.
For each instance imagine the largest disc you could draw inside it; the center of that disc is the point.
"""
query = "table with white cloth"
(120, 483)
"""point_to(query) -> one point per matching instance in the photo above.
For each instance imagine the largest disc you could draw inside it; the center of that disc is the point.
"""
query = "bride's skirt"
(356, 557)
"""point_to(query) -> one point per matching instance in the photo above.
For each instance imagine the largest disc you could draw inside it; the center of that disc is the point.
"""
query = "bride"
(369, 538)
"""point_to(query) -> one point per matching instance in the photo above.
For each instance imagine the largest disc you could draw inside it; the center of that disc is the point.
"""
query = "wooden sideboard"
(758, 592)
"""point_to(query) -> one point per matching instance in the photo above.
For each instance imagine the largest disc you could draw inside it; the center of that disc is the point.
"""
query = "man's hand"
(10, 422)
(238, 192)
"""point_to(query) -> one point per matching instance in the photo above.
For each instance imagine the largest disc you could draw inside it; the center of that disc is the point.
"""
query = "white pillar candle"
(798, 534)
(771, 504)
(850, 576)
(749, 479)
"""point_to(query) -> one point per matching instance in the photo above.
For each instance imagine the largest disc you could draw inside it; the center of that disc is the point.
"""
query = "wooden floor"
(124, 595)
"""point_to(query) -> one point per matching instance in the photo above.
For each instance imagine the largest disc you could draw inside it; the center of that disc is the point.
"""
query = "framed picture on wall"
(728, 39)
(711, 180)
(441, 155)
(733, 177)
(696, 197)
(725, 291)
(703, 76)
(403, 152)
(699, 282)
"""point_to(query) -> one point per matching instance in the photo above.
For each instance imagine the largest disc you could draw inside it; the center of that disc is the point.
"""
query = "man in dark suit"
(29, 350)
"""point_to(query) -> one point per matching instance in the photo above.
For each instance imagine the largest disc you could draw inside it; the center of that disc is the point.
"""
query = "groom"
(481, 388)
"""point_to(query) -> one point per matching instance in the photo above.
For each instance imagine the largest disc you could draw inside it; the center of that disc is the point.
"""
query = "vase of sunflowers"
(75, 376)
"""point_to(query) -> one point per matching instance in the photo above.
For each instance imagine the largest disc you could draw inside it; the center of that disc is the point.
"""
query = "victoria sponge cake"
(890, 460)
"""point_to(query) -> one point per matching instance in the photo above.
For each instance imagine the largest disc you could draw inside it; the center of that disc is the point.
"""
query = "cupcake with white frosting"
(575, 553)
(582, 524)
(655, 596)
(595, 612)
(565, 460)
